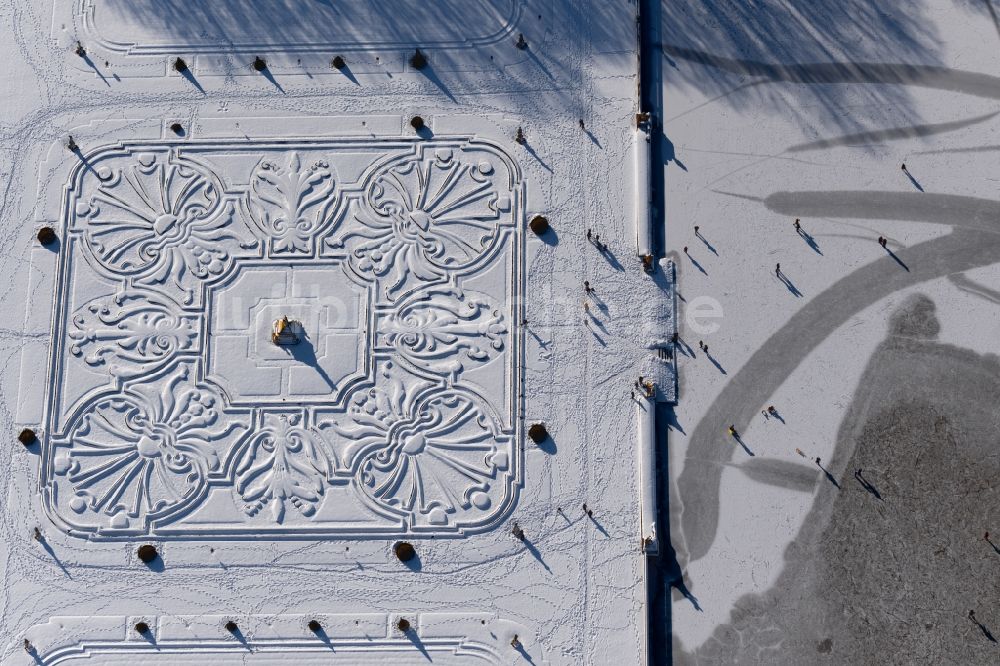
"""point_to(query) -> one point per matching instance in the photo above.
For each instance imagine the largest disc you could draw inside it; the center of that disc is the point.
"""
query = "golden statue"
(283, 333)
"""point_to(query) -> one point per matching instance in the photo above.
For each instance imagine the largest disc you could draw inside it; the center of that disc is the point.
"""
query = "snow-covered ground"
(777, 110)
(201, 203)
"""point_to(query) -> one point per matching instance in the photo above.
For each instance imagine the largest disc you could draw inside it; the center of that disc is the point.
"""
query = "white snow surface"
(431, 327)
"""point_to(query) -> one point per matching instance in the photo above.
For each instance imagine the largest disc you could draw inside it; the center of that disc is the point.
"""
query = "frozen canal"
(847, 527)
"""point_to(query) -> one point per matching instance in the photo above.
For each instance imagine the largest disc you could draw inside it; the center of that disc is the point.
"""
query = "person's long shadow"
(33, 653)
(599, 302)
(789, 285)
(986, 632)
(542, 344)
(739, 440)
(684, 347)
(897, 259)
(48, 549)
(590, 515)
(593, 138)
(710, 247)
(530, 547)
(696, 264)
(538, 62)
(524, 653)
(83, 160)
(868, 485)
(810, 241)
(913, 180)
(995, 548)
(86, 58)
(531, 151)
(611, 258)
(597, 322)
(596, 335)
(776, 414)
(829, 476)
(716, 363)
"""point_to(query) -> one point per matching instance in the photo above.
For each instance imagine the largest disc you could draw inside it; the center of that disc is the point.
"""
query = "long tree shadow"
(189, 75)
(267, 74)
(414, 638)
(432, 76)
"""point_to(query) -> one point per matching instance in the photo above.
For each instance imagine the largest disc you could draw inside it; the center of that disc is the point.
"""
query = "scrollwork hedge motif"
(143, 437)
(433, 454)
(427, 215)
(130, 334)
(161, 219)
(444, 329)
(290, 203)
(282, 466)
(137, 456)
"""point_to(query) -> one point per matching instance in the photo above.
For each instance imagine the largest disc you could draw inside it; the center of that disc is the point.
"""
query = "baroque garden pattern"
(403, 287)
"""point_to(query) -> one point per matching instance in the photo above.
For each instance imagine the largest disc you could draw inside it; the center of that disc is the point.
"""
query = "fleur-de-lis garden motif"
(130, 333)
(283, 465)
(290, 203)
(138, 456)
(158, 218)
(427, 215)
(444, 328)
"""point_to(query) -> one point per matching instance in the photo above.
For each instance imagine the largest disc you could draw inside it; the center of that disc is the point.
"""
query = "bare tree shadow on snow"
(714, 46)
